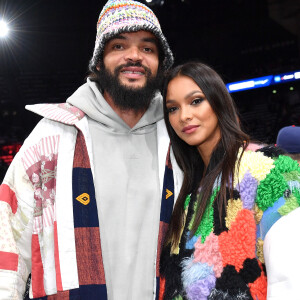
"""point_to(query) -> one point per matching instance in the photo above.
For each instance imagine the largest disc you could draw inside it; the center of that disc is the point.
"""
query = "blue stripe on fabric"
(84, 215)
(269, 218)
(74, 294)
(167, 204)
(93, 292)
(157, 288)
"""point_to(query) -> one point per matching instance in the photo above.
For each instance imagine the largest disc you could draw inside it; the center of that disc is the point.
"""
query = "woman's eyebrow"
(170, 101)
(192, 93)
(186, 96)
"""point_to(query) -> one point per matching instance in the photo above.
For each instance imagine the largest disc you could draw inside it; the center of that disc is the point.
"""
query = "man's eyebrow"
(146, 39)
(118, 37)
(151, 40)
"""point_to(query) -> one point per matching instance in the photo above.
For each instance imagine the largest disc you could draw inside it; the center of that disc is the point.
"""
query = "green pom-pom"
(292, 176)
(285, 164)
(272, 187)
(178, 298)
(187, 201)
(296, 193)
(207, 222)
(290, 204)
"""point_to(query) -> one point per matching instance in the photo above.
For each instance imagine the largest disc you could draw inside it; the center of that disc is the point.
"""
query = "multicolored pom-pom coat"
(227, 259)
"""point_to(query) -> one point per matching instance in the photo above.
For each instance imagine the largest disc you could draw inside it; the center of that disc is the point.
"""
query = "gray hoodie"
(127, 192)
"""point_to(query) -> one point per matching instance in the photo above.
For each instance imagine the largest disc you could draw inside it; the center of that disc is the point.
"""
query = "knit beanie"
(288, 139)
(118, 16)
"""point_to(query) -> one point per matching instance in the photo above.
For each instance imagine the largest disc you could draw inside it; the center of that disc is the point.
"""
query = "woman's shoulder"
(259, 164)
(272, 181)
(254, 162)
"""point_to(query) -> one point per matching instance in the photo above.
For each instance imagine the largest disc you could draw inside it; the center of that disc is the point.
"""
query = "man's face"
(132, 57)
(129, 72)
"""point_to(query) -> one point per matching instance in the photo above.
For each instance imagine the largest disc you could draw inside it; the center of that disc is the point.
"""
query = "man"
(86, 202)
(288, 139)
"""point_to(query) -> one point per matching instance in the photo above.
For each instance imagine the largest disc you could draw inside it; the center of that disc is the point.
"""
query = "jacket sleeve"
(16, 214)
(281, 252)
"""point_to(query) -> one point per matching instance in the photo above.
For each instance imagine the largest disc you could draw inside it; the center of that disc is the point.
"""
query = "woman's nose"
(185, 114)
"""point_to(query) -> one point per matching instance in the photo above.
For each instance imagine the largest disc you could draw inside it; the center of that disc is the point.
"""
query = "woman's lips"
(190, 128)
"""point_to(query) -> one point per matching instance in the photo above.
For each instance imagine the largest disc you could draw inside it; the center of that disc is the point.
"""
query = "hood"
(90, 100)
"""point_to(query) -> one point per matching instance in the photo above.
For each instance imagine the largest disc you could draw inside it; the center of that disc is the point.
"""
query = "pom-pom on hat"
(288, 139)
(118, 16)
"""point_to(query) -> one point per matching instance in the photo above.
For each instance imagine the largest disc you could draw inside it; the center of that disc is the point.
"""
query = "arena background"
(44, 58)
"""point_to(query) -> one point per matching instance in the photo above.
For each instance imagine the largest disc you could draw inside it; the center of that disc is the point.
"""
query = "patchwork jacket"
(253, 252)
(49, 225)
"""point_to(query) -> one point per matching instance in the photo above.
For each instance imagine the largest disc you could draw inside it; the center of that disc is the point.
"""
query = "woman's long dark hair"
(224, 156)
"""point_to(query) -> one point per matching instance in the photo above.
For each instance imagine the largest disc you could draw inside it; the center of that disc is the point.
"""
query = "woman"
(236, 217)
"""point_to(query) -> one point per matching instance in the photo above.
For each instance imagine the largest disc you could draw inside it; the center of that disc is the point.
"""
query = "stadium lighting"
(3, 29)
(154, 2)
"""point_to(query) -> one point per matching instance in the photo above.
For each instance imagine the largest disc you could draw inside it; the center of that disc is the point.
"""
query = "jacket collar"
(61, 112)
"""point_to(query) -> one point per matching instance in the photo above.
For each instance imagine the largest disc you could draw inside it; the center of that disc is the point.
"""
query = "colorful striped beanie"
(119, 16)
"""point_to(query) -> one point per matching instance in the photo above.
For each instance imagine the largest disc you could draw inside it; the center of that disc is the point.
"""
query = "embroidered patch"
(7, 240)
(9, 196)
(168, 193)
(40, 163)
(9, 261)
(84, 198)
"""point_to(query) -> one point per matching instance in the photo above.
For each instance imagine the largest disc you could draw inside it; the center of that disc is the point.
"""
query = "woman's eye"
(197, 101)
(171, 109)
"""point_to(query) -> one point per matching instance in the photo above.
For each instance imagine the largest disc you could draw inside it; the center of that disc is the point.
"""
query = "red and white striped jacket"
(36, 213)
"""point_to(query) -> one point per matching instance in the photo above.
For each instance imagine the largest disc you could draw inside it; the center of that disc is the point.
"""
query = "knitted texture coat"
(226, 260)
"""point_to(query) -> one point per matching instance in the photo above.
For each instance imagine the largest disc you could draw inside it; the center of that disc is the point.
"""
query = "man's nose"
(133, 54)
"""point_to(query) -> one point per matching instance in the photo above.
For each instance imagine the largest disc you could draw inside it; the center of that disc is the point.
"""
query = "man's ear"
(98, 66)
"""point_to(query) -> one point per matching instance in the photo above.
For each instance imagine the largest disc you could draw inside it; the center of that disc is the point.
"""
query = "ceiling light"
(3, 29)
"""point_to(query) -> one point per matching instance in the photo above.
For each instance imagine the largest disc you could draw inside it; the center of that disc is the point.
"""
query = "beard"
(126, 97)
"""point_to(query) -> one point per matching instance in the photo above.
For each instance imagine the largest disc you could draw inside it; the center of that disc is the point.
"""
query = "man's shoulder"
(61, 112)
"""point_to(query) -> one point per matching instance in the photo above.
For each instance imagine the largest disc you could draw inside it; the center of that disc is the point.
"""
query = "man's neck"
(129, 116)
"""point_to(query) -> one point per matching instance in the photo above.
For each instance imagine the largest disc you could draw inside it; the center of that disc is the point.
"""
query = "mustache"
(148, 72)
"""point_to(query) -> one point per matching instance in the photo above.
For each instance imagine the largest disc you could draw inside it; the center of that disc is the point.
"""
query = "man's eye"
(171, 109)
(117, 47)
(197, 101)
(147, 49)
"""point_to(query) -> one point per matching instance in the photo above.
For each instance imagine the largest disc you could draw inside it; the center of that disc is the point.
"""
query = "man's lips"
(190, 128)
(133, 71)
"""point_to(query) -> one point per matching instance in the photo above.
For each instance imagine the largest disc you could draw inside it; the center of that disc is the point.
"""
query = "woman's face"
(191, 115)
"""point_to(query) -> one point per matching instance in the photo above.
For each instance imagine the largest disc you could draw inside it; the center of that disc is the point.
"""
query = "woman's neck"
(205, 150)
